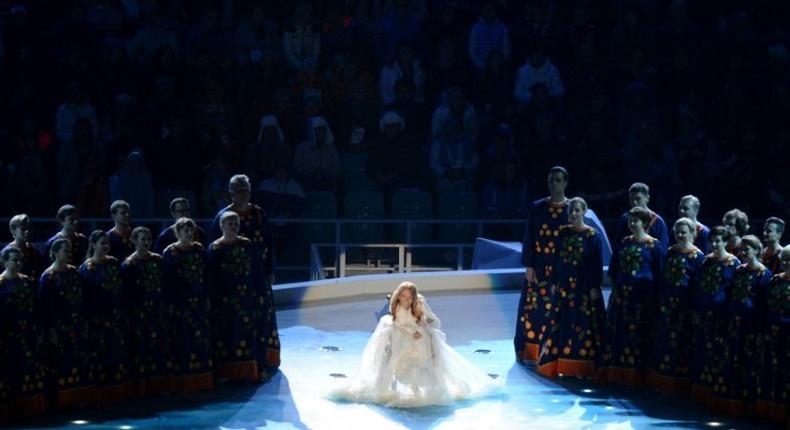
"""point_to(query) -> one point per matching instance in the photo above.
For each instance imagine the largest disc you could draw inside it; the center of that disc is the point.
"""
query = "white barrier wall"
(300, 293)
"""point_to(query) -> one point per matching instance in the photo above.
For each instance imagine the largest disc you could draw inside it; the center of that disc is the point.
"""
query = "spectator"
(135, 185)
(414, 114)
(537, 70)
(74, 108)
(395, 160)
(158, 32)
(456, 116)
(488, 34)
(505, 195)
(447, 26)
(255, 35)
(269, 149)
(395, 29)
(448, 69)
(280, 195)
(453, 159)
(405, 66)
(356, 120)
(316, 161)
(301, 39)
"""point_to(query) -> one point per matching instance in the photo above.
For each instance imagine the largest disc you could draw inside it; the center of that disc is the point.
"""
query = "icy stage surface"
(479, 324)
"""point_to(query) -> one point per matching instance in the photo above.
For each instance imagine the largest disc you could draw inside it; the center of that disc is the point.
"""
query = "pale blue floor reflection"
(297, 397)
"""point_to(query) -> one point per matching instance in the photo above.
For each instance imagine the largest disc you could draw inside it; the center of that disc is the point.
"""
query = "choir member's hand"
(417, 335)
(529, 275)
(595, 294)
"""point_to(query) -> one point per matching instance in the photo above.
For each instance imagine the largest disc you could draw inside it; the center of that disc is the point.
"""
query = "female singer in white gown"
(407, 363)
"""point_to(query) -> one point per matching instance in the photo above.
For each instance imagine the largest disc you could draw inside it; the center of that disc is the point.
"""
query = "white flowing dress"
(401, 371)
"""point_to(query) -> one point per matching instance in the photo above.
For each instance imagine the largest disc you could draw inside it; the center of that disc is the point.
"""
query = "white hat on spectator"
(270, 121)
(317, 122)
(391, 117)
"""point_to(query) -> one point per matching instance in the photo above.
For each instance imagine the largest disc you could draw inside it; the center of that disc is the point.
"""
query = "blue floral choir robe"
(635, 270)
(708, 321)
(168, 236)
(669, 370)
(539, 252)
(254, 225)
(61, 313)
(150, 365)
(103, 306)
(775, 375)
(121, 246)
(656, 228)
(577, 321)
(21, 368)
(79, 247)
(186, 295)
(735, 376)
(235, 312)
(771, 261)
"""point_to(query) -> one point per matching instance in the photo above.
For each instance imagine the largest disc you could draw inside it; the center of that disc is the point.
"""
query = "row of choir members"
(686, 318)
(104, 328)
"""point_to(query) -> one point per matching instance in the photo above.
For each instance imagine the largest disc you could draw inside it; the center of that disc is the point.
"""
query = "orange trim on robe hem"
(531, 351)
(771, 410)
(568, 367)
(198, 382)
(110, 394)
(623, 376)
(237, 370)
(75, 396)
(159, 384)
(32, 405)
(667, 384)
(701, 394)
(732, 407)
(273, 357)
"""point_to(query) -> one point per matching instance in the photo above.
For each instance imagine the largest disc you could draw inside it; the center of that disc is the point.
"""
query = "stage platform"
(323, 339)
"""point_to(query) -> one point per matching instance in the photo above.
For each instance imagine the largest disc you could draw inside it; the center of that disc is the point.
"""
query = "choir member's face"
(638, 199)
(636, 225)
(180, 210)
(64, 253)
(102, 247)
(14, 262)
(21, 233)
(683, 235)
(122, 216)
(185, 234)
(240, 193)
(142, 242)
(717, 243)
(687, 210)
(729, 222)
(557, 183)
(746, 252)
(230, 226)
(405, 298)
(71, 222)
(785, 259)
(770, 233)
(576, 214)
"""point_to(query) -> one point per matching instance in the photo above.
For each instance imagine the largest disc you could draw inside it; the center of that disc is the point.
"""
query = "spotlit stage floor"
(478, 324)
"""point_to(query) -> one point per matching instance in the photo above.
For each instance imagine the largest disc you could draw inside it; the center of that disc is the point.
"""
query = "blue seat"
(363, 204)
(352, 168)
(320, 204)
(412, 205)
(457, 205)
